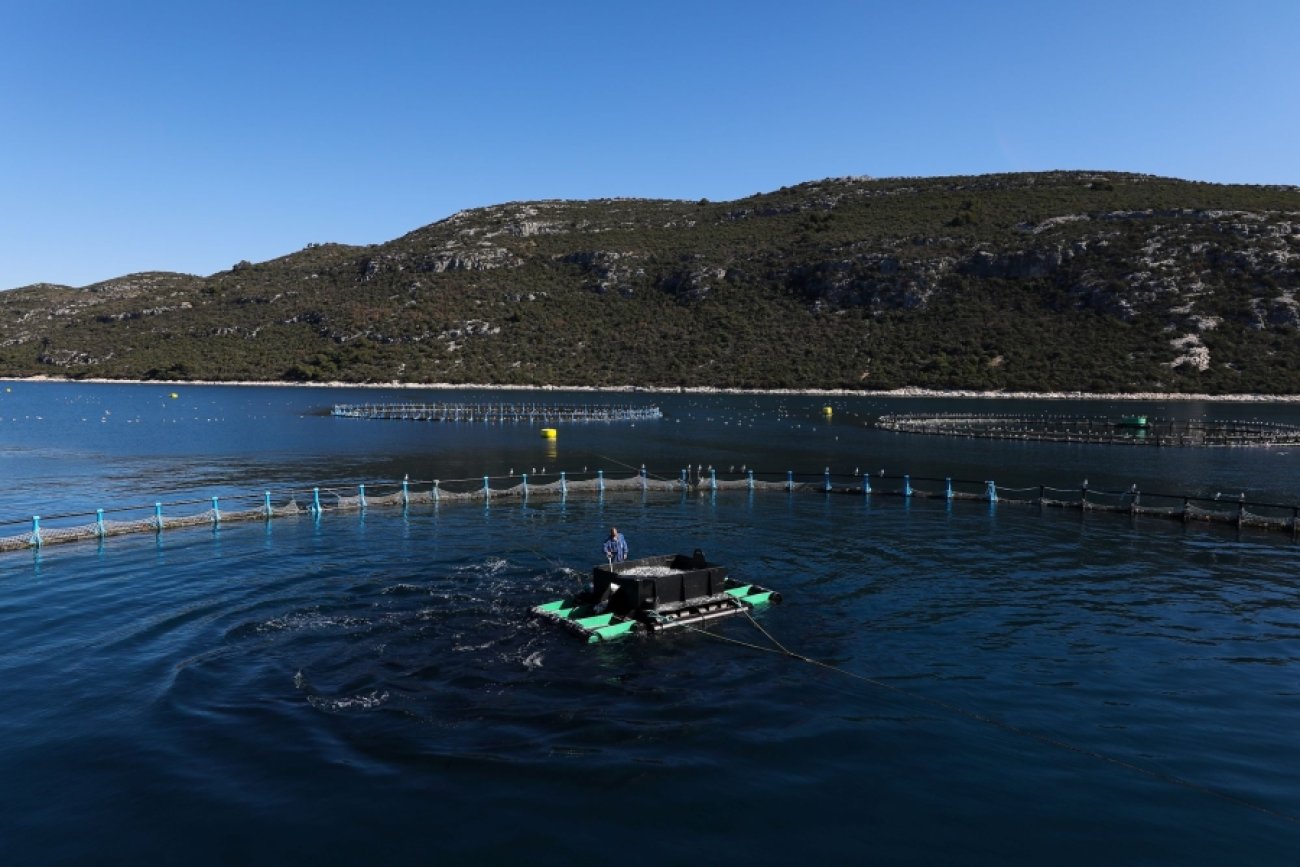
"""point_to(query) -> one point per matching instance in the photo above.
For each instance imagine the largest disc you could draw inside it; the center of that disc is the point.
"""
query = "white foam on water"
(373, 699)
(303, 620)
(403, 588)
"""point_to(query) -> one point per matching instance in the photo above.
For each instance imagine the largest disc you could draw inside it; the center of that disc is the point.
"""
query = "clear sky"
(186, 135)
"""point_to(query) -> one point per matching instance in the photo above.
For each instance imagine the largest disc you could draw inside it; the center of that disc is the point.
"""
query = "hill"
(1096, 281)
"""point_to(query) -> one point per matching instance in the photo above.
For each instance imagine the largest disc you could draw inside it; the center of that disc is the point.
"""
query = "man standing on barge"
(615, 546)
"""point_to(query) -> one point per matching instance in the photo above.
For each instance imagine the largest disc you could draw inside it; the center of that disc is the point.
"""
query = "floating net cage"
(1133, 430)
(396, 498)
(497, 412)
(101, 524)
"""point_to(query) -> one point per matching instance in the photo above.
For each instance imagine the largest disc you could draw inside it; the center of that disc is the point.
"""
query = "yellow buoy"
(175, 395)
(826, 410)
(548, 433)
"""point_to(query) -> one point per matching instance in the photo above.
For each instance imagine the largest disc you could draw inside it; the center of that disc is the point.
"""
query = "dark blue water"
(1008, 686)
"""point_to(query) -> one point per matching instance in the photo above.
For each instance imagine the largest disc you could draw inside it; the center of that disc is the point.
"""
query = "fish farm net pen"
(120, 509)
(496, 412)
(347, 497)
(1096, 430)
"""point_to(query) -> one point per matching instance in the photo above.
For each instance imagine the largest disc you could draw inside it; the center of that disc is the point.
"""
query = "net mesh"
(1130, 502)
(1133, 430)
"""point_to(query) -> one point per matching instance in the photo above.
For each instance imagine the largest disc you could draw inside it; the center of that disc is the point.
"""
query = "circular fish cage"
(1133, 430)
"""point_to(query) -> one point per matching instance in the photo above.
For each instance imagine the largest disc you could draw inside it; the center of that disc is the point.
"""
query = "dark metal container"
(690, 577)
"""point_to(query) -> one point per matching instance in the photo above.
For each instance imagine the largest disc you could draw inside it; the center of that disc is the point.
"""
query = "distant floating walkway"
(1130, 430)
(496, 412)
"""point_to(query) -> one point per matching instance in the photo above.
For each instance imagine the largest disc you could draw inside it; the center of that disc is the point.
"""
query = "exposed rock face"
(693, 284)
(1018, 264)
(1279, 312)
(68, 358)
(1192, 352)
(878, 282)
(471, 260)
(451, 256)
(607, 270)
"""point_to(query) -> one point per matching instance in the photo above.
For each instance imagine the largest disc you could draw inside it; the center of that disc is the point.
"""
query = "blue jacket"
(616, 547)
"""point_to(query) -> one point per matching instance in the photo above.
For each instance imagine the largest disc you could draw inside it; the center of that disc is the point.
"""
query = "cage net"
(319, 501)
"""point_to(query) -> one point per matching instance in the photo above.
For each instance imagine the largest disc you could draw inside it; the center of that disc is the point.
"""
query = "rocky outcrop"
(878, 282)
(483, 259)
(607, 270)
(1281, 311)
(694, 283)
(1018, 264)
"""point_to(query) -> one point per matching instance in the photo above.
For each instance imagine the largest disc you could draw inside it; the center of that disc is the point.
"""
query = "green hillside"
(1064, 280)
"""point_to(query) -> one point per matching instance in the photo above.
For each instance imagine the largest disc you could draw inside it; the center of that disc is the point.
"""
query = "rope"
(637, 470)
(976, 716)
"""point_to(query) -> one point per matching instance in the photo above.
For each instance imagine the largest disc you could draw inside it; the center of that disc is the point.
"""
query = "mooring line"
(636, 470)
(555, 564)
(1048, 740)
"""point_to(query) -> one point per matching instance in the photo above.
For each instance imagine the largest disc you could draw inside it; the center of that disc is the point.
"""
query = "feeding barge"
(653, 594)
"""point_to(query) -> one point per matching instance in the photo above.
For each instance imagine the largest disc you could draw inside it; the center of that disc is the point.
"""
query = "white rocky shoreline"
(906, 392)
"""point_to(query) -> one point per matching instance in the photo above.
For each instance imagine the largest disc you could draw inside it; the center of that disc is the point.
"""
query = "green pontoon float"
(654, 594)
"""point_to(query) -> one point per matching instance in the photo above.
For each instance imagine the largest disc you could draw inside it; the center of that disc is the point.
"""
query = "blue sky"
(186, 135)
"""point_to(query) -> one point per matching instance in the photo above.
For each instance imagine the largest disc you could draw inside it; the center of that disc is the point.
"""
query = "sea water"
(990, 683)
